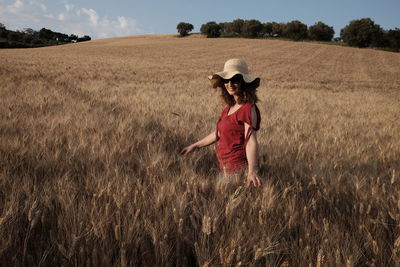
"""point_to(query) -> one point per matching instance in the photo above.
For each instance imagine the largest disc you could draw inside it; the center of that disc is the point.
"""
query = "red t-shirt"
(231, 151)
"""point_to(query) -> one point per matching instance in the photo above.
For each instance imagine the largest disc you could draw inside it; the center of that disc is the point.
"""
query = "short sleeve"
(245, 116)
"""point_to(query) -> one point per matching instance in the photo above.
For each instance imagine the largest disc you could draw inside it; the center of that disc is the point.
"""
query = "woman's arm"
(252, 152)
(208, 140)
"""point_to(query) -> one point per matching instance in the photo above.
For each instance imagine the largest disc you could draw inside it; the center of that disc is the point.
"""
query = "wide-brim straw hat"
(231, 68)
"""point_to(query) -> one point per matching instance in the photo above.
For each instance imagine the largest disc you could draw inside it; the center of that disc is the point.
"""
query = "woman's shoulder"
(226, 108)
(250, 114)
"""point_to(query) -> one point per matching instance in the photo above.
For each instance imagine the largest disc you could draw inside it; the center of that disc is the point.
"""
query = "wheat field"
(90, 171)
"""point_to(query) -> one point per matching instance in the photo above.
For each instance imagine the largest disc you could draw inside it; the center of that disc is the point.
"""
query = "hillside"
(90, 172)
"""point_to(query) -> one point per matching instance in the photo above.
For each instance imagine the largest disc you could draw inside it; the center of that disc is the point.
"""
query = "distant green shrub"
(251, 28)
(393, 38)
(295, 30)
(211, 29)
(184, 28)
(320, 32)
(363, 33)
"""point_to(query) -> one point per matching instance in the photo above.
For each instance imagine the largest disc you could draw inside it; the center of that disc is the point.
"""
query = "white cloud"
(93, 17)
(121, 27)
(71, 19)
(123, 22)
(68, 7)
(39, 4)
(62, 16)
(16, 7)
(24, 14)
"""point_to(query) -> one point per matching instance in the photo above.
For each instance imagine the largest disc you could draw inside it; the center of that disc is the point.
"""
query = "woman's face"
(232, 85)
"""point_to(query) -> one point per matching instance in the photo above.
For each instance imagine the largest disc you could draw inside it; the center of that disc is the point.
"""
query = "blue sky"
(102, 19)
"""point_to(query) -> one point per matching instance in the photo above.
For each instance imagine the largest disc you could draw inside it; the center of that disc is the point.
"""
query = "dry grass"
(90, 172)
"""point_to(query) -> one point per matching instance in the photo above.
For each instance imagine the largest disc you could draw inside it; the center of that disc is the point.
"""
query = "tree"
(184, 28)
(267, 29)
(226, 28)
(37, 42)
(362, 33)
(237, 26)
(211, 29)
(73, 38)
(27, 38)
(31, 38)
(14, 36)
(295, 30)
(251, 28)
(277, 29)
(84, 38)
(320, 32)
(29, 31)
(3, 31)
(393, 37)
(61, 37)
(46, 34)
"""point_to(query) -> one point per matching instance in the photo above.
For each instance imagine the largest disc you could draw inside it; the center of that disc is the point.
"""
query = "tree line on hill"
(361, 33)
(31, 38)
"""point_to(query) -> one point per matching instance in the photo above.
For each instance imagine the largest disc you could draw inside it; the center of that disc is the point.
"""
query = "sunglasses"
(234, 79)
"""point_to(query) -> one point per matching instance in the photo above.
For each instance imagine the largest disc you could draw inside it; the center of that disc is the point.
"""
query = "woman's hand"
(253, 179)
(188, 149)
(208, 140)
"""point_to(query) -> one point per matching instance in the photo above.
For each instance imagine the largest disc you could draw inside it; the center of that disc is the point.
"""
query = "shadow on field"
(207, 164)
(203, 161)
(129, 197)
(332, 199)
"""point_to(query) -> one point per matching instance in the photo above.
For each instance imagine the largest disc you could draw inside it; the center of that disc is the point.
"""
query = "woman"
(237, 148)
